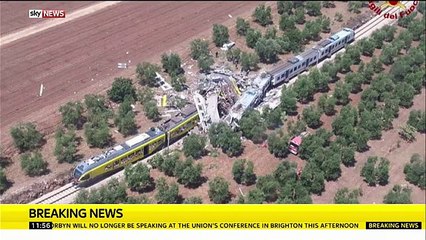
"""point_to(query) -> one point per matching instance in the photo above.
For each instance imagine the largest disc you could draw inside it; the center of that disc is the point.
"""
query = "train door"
(146, 150)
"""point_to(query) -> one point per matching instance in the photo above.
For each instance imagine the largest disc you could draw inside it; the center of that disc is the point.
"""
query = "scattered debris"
(41, 89)
(122, 65)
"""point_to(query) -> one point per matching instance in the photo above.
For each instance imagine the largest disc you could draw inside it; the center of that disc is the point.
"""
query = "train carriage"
(121, 155)
(137, 148)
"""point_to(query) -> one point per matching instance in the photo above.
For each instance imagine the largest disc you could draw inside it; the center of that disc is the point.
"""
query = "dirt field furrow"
(15, 20)
(67, 57)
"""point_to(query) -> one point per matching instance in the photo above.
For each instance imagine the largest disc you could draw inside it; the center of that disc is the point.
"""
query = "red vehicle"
(295, 143)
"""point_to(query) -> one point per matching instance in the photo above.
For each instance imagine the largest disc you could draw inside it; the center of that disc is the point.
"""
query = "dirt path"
(54, 22)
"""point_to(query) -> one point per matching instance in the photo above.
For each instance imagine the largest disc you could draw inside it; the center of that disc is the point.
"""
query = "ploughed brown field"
(66, 58)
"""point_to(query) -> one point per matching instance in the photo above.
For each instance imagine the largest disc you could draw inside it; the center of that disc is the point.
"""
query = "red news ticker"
(53, 13)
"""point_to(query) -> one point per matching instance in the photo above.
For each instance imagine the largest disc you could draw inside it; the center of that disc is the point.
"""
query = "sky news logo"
(46, 13)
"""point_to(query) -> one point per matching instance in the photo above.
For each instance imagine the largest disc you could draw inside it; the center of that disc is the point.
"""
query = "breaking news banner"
(219, 221)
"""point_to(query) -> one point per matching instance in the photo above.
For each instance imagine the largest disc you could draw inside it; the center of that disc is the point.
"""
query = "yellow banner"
(278, 217)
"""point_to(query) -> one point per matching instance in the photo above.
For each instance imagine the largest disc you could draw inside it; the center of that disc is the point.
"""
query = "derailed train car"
(136, 148)
(289, 69)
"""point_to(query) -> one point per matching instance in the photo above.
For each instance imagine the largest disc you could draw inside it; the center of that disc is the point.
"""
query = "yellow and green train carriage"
(137, 148)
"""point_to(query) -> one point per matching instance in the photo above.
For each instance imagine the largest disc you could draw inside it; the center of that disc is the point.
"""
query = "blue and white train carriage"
(299, 63)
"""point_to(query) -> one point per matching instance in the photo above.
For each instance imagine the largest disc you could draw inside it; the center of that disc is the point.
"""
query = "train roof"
(181, 116)
(308, 52)
(285, 65)
(119, 149)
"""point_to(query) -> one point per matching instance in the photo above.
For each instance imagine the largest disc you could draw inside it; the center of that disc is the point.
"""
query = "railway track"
(57, 195)
(363, 31)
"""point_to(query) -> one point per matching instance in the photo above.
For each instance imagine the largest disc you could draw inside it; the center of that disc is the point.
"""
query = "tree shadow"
(200, 182)
(5, 161)
(7, 184)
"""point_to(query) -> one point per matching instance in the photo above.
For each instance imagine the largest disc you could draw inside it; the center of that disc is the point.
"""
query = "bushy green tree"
(327, 104)
(347, 154)
(285, 7)
(167, 193)
(417, 119)
(249, 61)
(312, 178)
(262, 15)
(172, 64)
(408, 132)
(415, 171)
(138, 178)
(193, 145)
(125, 119)
(112, 193)
(278, 145)
(205, 62)
(405, 92)
(97, 133)
(255, 196)
(252, 37)
(288, 103)
(312, 117)
(376, 171)
(72, 114)
(223, 136)
(271, 33)
(300, 15)
(346, 196)
(233, 55)
(243, 172)
(66, 146)
(193, 200)
(267, 50)
(304, 88)
(328, 4)
(389, 32)
(269, 186)
(253, 126)
(296, 128)
(220, 35)
(33, 164)
(191, 175)
(367, 47)
(146, 95)
(341, 93)
(272, 117)
(151, 110)
(199, 48)
(319, 79)
(26, 137)
(398, 195)
(312, 30)
(121, 88)
(242, 26)
(178, 82)
(313, 8)
(325, 24)
(293, 192)
(388, 54)
(219, 190)
(169, 163)
(287, 22)
(4, 183)
(146, 73)
(354, 6)
(97, 108)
